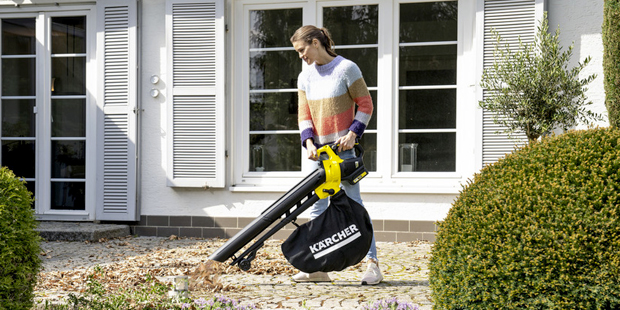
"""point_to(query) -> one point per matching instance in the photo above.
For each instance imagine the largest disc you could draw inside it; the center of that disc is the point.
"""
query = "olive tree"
(532, 89)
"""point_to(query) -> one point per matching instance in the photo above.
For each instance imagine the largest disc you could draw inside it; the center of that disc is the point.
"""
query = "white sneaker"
(312, 277)
(373, 274)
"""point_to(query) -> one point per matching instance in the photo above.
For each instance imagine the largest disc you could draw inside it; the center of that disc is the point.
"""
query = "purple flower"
(391, 303)
(185, 306)
(219, 302)
(201, 302)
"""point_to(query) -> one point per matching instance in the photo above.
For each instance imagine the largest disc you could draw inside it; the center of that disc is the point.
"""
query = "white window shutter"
(195, 89)
(511, 19)
(116, 99)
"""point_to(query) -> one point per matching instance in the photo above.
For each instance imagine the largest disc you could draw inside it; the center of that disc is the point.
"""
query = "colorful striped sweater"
(327, 98)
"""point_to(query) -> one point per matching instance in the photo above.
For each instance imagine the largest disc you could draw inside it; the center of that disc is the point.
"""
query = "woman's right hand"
(311, 150)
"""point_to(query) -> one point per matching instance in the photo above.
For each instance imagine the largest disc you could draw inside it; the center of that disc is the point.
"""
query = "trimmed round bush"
(19, 244)
(539, 229)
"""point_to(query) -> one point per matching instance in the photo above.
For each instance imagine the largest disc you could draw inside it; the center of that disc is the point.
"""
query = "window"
(273, 70)
(409, 55)
(354, 30)
(427, 86)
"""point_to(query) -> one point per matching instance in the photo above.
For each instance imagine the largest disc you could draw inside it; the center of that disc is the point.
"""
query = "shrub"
(538, 229)
(611, 58)
(19, 244)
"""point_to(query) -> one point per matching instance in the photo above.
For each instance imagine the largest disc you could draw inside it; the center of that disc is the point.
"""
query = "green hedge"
(611, 60)
(19, 244)
(539, 229)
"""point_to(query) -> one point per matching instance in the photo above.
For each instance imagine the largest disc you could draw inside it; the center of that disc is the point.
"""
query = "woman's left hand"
(347, 142)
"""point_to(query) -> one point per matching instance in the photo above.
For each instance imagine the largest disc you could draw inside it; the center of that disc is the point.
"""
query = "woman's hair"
(309, 32)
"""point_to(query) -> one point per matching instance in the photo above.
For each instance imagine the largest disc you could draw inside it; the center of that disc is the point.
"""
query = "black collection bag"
(338, 238)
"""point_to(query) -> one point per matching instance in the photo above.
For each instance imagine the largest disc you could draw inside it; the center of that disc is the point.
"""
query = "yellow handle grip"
(332, 173)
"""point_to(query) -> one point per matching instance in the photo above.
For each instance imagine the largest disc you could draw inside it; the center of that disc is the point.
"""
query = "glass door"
(44, 110)
(68, 113)
(17, 101)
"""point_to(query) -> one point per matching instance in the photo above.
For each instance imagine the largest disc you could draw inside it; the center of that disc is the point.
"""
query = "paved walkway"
(267, 284)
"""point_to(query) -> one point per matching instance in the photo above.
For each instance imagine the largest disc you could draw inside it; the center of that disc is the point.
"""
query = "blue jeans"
(353, 191)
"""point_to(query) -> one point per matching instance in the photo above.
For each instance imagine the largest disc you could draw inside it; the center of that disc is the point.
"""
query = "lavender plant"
(391, 304)
(218, 302)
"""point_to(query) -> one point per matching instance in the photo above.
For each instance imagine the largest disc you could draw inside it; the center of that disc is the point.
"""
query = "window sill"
(410, 189)
(64, 216)
(368, 187)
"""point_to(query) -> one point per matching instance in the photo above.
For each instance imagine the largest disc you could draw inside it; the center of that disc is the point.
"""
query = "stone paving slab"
(82, 231)
(405, 268)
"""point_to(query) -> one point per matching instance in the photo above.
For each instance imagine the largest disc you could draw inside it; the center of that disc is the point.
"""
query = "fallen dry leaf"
(134, 271)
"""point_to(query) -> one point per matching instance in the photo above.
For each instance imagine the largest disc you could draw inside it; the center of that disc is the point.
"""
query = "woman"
(329, 88)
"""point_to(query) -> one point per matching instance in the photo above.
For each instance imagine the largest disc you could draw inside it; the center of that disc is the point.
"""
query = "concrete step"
(80, 231)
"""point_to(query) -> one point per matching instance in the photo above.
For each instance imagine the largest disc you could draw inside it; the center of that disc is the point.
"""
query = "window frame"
(396, 89)
(242, 177)
(384, 65)
(386, 179)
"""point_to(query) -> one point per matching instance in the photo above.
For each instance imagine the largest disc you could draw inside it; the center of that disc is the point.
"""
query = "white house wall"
(579, 23)
(158, 199)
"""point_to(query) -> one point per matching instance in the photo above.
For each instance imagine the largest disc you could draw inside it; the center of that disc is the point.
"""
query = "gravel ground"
(127, 262)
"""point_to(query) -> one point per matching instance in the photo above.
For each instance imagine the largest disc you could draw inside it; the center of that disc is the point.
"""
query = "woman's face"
(307, 52)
